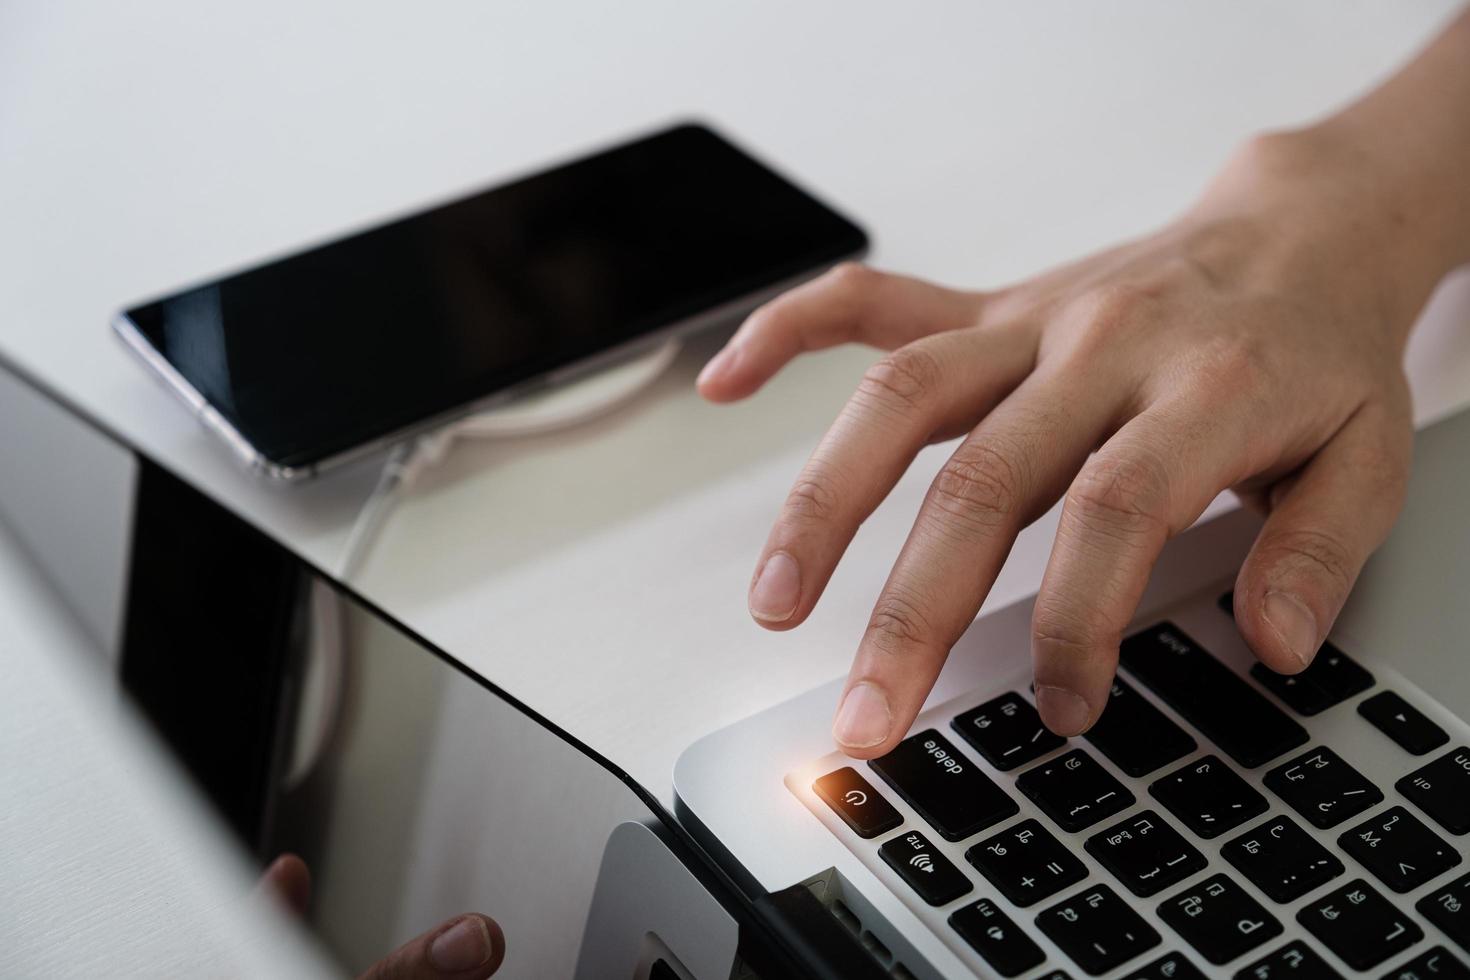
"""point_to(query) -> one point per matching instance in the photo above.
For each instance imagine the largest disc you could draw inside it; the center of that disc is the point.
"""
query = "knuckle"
(1232, 363)
(1123, 492)
(903, 378)
(813, 500)
(1383, 468)
(1073, 632)
(1116, 306)
(769, 317)
(1317, 551)
(852, 276)
(980, 485)
(897, 623)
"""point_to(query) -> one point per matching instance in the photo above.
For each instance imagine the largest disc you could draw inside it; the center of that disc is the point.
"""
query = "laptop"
(1220, 820)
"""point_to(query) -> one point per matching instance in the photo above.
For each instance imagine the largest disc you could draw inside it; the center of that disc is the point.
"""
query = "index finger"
(850, 304)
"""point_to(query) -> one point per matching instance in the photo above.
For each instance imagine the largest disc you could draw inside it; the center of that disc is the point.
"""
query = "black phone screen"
(322, 351)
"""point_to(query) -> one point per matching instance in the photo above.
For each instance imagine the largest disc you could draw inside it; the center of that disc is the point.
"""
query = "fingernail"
(718, 365)
(777, 589)
(1063, 711)
(864, 719)
(463, 946)
(1294, 624)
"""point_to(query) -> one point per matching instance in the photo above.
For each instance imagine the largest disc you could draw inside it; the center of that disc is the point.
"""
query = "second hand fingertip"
(463, 946)
(718, 367)
(1063, 711)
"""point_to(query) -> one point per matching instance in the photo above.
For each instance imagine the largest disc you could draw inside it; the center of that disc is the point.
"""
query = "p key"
(1219, 919)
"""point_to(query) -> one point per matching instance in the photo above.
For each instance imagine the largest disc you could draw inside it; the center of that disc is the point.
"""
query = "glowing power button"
(852, 798)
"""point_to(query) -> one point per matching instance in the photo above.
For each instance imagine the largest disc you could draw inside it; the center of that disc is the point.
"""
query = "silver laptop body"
(747, 790)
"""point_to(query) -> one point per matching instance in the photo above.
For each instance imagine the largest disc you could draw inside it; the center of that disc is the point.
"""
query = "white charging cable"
(545, 412)
(326, 665)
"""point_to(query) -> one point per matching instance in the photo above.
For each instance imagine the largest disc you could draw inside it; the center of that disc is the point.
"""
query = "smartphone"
(314, 358)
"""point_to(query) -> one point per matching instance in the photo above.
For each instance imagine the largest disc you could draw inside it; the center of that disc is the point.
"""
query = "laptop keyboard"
(1215, 822)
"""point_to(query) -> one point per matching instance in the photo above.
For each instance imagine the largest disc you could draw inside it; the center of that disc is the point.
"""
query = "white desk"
(600, 575)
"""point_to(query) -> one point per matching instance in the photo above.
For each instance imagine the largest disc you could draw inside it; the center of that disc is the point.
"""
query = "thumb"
(1321, 530)
(467, 947)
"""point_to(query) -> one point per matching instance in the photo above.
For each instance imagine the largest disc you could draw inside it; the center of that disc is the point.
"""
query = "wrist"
(1329, 215)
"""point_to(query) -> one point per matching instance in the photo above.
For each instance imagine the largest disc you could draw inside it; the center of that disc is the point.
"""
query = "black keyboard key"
(1210, 696)
(1074, 790)
(1219, 919)
(856, 802)
(1136, 736)
(1007, 731)
(1442, 790)
(927, 871)
(1299, 693)
(1338, 674)
(1208, 796)
(1448, 907)
(1026, 863)
(1170, 966)
(1399, 850)
(1294, 961)
(1282, 860)
(1322, 788)
(1435, 963)
(1055, 975)
(1007, 949)
(1331, 678)
(954, 796)
(1097, 929)
(1402, 722)
(1359, 925)
(1145, 853)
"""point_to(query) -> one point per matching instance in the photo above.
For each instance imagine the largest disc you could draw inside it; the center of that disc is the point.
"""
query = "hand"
(466, 947)
(1254, 344)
